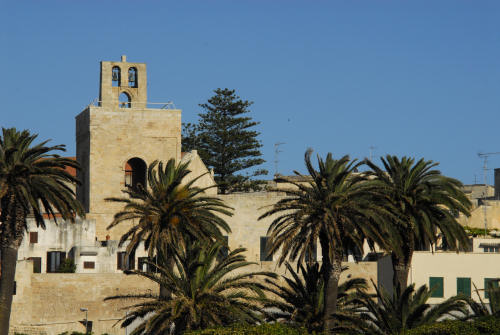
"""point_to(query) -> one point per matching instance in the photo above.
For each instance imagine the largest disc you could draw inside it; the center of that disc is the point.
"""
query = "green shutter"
(437, 287)
(463, 286)
(494, 283)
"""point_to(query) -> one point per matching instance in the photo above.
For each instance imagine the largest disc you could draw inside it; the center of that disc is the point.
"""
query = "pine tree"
(226, 141)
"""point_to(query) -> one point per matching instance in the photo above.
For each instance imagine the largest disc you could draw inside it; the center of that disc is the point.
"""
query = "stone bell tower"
(117, 137)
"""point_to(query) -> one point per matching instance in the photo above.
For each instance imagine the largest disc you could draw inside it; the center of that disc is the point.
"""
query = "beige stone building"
(117, 137)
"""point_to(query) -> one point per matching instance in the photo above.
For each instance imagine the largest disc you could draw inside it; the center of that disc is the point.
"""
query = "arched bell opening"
(132, 77)
(135, 173)
(116, 76)
(124, 100)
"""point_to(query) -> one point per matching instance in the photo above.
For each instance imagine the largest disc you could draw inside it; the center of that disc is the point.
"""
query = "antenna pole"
(276, 153)
(485, 155)
(485, 169)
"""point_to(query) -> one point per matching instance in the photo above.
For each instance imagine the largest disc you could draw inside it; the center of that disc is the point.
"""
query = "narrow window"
(124, 262)
(15, 288)
(142, 264)
(265, 255)
(54, 260)
(135, 173)
(436, 285)
(124, 100)
(463, 286)
(488, 284)
(37, 264)
(33, 237)
(116, 76)
(132, 77)
(89, 265)
(120, 262)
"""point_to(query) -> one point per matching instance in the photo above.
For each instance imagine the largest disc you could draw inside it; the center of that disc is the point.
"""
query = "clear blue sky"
(418, 78)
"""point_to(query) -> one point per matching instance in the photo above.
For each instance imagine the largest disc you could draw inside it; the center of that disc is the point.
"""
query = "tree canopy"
(227, 142)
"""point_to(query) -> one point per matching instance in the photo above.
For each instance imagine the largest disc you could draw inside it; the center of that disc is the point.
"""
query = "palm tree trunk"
(401, 267)
(13, 218)
(164, 292)
(8, 264)
(332, 276)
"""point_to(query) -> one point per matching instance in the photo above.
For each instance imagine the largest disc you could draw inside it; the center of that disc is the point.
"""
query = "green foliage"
(33, 180)
(472, 231)
(208, 290)
(481, 308)
(422, 201)
(169, 211)
(265, 329)
(226, 142)
(394, 314)
(67, 266)
(302, 298)
(483, 326)
(333, 206)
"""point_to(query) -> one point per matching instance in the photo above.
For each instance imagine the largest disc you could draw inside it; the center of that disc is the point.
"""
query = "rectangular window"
(436, 285)
(463, 286)
(54, 260)
(489, 282)
(33, 237)
(89, 265)
(265, 255)
(37, 264)
(124, 263)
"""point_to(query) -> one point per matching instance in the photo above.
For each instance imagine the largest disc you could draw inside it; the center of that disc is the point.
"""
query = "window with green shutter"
(494, 283)
(437, 287)
(463, 286)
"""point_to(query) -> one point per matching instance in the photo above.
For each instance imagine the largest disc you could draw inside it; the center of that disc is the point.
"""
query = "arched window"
(116, 76)
(132, 77)
(124, 100)
(135, 173)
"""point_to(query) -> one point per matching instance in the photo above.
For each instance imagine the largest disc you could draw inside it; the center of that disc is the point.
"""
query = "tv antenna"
(485, 156)
(276, 153)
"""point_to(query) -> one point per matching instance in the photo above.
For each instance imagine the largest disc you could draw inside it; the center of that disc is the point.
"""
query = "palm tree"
(32, 181)
(208, 289)
(301, 300)
(400, 312)
(169, 211)
(423, 201)
(333, 206)
(480, 309)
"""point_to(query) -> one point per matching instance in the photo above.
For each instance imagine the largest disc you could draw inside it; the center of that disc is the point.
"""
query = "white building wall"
(452, 265)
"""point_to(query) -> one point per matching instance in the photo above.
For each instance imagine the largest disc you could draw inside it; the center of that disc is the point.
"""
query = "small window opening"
(124, 100)
(33, 237)
(89, 265)
(132, 77)
(123, 262)
(135, 173)
(116, 76)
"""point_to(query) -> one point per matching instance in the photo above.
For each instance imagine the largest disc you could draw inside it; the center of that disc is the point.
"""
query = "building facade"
(117, 137)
